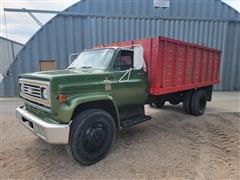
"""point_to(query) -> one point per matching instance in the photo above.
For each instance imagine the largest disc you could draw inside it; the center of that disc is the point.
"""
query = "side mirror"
(138, 60)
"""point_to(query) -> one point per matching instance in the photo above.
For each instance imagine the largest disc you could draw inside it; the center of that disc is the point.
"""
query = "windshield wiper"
(72, 68)
(86, 67)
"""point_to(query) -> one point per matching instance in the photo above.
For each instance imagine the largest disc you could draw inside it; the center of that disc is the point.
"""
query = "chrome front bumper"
(51, 133)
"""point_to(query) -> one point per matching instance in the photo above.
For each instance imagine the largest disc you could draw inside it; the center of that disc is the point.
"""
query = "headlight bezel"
(44, 93)
(21, 87)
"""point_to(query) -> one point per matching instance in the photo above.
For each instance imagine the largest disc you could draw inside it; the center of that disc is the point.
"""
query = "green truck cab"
(83, 106)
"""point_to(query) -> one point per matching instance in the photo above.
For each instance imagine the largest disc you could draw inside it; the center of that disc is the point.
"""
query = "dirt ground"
(172, 145)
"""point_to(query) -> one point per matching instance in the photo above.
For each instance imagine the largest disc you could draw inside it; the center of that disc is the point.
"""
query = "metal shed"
(89, 22)
(9, 50)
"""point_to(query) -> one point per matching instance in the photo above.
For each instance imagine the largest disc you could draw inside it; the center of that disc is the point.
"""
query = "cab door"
(129, 87)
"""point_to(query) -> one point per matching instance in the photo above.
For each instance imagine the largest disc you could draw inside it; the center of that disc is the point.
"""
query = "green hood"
(60, 73)
(69, 79)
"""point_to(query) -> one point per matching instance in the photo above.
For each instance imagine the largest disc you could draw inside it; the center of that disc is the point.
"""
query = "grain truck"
(105, 89)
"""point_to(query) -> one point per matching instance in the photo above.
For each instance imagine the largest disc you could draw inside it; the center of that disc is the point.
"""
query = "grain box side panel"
(189, 65)
(169, 64)
(210, 66)
(217, 66)
(154, 58)
(197, 65)
(204, 66)
(180, 64)
(161, 61)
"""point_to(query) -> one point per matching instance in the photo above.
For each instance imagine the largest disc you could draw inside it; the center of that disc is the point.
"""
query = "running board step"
(135, 120)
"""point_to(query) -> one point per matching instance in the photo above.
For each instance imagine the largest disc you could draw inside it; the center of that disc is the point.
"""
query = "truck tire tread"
(75, 148)
(198, 102)
(187, 102)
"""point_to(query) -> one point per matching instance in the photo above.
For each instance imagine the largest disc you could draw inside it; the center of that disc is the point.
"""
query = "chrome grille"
(35, 111)
(32, 90)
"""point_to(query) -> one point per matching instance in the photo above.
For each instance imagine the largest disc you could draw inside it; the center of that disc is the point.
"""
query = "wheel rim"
(94, 137)
(202, 103)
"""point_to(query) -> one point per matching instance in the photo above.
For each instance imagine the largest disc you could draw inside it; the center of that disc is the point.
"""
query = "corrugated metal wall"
(8, 50)
(209, 25)
(230, 75)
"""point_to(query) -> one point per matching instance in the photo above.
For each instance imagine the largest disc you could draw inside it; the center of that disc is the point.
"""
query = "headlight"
(44, 93)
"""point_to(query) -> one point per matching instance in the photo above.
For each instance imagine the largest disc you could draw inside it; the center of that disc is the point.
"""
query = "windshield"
(97, 59)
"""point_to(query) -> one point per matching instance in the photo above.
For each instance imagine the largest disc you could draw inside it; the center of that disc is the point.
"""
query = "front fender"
(67, 109)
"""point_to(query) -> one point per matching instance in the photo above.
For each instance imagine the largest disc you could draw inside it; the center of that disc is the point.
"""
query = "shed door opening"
(47, 65)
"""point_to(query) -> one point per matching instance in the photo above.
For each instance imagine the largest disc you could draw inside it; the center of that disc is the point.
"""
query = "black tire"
(187, 102)
(91, 136)
(198, 102)
(159, 104)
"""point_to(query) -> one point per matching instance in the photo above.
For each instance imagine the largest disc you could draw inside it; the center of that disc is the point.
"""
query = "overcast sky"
(20, 26)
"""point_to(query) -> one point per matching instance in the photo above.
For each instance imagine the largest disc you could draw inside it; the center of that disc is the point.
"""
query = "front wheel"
(91, 136)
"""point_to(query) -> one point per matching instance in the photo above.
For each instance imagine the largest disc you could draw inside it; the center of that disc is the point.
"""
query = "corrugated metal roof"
(10, 40)
(202, 22)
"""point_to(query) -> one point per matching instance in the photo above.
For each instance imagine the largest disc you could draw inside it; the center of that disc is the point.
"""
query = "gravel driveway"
(172, 145)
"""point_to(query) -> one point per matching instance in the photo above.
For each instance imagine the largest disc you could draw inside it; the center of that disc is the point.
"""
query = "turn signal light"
(61, 98)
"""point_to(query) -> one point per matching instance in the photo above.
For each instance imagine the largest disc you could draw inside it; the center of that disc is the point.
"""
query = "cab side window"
(124, 60)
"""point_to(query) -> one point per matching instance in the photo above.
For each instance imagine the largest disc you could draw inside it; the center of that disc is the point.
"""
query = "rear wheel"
(187, 102)
(91, 136)
(198, 102)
